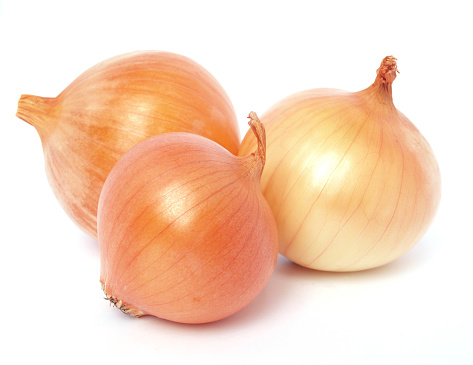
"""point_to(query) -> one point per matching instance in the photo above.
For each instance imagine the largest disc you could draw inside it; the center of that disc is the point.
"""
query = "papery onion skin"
(113, 106)
(351, 181)
(185, 233)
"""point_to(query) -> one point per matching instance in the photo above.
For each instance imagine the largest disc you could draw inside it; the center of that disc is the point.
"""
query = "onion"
(113, 106)
(351, 181)
(185, 233)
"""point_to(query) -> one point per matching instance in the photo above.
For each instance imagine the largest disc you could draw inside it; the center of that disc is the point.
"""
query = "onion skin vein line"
(357, 207)
(325, 184)
(269, 143)
(164, 229)
(125, 204)
(248, 233)
(164, 253)
(124, 252)
(307, 163)
(392, 216)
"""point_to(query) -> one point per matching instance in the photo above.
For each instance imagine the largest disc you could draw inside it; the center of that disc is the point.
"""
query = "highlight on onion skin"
(351, 181)
(113, 106)
(185, 233)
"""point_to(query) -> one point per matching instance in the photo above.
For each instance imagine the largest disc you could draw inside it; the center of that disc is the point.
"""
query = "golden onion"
(351, 181)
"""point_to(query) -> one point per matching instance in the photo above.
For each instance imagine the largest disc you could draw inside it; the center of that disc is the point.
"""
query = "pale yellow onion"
(113, 106)
(351, 181)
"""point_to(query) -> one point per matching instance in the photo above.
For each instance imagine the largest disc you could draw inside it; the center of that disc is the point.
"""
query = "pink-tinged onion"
(113, 106)
(351, 181)
(185, 233)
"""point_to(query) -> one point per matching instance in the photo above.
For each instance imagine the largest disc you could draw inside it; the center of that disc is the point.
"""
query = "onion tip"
(258, 129)
(36, 111)
(387, 71)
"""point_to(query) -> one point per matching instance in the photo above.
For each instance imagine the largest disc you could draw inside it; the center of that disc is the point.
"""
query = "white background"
(417, 310)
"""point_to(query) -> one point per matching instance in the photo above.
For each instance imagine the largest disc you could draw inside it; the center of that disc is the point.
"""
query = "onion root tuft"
(120, 305)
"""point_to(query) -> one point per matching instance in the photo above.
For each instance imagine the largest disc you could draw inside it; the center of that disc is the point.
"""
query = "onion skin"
(113, 106)
(351, 181)
(185, 233)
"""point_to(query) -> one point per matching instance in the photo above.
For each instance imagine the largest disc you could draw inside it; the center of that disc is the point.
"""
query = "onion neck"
(38, 112)
(254, 163)
(380, 91)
